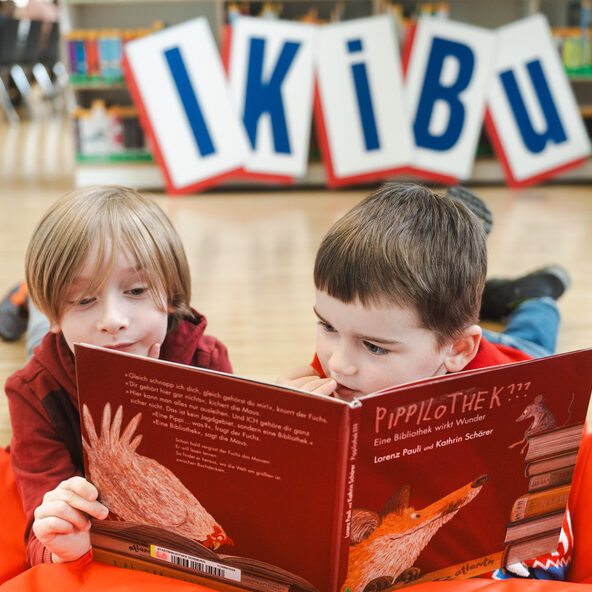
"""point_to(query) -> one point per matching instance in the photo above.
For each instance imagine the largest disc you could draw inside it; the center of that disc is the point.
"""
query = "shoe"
(501, 296)
(474, 203)
(14, 313)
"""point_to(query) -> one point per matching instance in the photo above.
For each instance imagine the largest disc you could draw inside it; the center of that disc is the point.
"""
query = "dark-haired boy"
(399, 283)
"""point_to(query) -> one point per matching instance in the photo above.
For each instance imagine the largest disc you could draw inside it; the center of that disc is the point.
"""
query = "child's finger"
(47, 528)
(95, 509)
(300, 372)
(321, 386)
(80, 494)
(326, 387)
(58, 518)
(73, 509)
(303, 382)
(314, 384)
(154, 351)
(78, 485)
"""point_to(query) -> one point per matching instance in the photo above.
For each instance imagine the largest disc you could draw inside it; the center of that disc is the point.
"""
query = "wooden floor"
(251, 253)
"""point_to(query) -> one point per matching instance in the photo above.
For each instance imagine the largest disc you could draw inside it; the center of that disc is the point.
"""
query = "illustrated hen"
(136, 488)
(384, 547)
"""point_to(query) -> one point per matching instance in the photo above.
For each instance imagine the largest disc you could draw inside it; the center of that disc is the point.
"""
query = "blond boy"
(107, 267)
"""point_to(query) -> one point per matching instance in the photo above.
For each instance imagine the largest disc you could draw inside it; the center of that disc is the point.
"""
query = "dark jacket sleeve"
(213, 355)
(40, 459)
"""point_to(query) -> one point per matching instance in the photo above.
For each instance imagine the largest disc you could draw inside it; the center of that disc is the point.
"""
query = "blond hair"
(108, 218)
(408, 246)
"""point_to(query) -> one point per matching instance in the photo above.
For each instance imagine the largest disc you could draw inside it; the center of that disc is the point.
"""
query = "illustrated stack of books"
(537, 516)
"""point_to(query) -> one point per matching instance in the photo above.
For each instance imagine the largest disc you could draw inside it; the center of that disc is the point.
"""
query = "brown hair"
(408, 246)
(108, 218)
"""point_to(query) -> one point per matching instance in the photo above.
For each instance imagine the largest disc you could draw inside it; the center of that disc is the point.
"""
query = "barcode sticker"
(196, 563)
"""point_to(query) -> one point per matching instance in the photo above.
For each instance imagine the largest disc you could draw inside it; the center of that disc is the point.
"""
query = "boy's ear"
(55, 327)
(463, 349)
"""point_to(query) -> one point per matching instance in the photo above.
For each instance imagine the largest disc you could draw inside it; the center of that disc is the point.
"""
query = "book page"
(451, 456)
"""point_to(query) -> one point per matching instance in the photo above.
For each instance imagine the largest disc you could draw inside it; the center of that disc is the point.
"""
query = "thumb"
(154, 351)
(327, 388)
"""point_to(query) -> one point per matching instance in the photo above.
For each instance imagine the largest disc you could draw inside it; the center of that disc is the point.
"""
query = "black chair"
(8, 51)
(49, 72)
(8, 40)
(50, 51)
(31, 51)
(28, 54)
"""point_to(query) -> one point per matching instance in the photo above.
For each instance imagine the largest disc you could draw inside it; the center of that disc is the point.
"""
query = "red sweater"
(46, 445)
(492, 354)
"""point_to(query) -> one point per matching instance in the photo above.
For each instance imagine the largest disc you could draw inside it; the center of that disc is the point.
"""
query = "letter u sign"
(532, 117)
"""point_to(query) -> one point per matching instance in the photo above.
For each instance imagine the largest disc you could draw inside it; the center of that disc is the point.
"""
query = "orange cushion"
(86, 575)
(12, 523)
(580, 502)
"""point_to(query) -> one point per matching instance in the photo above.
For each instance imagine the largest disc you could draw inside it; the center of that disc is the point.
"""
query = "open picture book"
(238, 483)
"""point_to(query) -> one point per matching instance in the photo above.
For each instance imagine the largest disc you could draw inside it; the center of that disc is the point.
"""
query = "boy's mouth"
(345, 393)
(121, 346)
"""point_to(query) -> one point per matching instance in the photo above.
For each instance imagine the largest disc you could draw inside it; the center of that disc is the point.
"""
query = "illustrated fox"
(384, 547)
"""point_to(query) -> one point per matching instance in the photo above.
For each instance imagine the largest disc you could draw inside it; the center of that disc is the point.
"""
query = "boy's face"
(366, 349)
(120, 314)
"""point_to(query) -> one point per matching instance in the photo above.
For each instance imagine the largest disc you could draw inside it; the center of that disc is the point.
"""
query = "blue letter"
(534, 142)
(364, 98)
(433, 91)
(189, 100)
(266, 96)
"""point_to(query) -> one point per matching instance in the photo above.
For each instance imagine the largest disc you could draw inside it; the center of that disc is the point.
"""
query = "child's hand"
(305, 378)
(154, 351)
(61, 521)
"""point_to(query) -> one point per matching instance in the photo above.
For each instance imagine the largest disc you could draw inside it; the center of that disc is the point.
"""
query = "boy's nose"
(341, 363)
(113, 318)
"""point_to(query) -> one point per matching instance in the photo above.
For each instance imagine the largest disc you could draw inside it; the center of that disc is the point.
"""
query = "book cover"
(441, 463)
(410, 484)
(244, 480)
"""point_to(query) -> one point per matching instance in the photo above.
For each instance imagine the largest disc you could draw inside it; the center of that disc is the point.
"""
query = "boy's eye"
(375, 349)
(326, 327)
(140, 291)
(85, 301)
